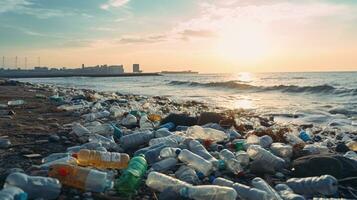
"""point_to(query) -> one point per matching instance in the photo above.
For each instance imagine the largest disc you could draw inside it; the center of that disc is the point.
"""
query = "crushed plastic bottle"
(197, 148)
(304, 136)
(282, 150)
(136, 139)
(80, 130)
(208, 192)
(145, 123)
(97, 115)
(263, 157)
(153, 155)
(107, 142)
(129, 120)
(169, 140)
(198, 132)
(12, 193)
(102, 129)
(160, 182)
(325, 185)
(164, 165)
(81, 178)
(195, 161)
(130, 180)
(260, 184)
(65, 160)
(169, 152)
(169, 126)
(36, 187)
(243, 158)
(187, 174)
(244, 192)
(287, 193)
(232, 164)
(102, 160)
(162, 132)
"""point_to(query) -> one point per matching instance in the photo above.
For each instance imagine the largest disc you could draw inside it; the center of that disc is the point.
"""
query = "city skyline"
(203, 35)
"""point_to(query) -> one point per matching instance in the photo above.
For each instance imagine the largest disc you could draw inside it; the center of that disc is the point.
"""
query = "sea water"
(325, 98)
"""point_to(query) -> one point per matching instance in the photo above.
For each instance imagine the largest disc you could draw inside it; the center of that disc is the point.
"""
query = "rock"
(342, 148)
(54, 138)
(5, 143)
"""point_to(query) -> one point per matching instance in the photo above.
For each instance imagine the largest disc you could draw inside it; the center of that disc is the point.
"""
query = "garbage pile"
(129, 145)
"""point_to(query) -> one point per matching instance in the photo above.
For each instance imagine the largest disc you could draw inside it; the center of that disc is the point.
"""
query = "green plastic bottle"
(131, 178)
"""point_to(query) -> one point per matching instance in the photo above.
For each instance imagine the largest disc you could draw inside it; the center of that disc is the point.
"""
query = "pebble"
(54, 138)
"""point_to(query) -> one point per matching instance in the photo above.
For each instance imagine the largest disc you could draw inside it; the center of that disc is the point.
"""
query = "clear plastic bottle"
(16, 102)
(242, 157)
(80, 130)
(164, 165)
(145, 123)
(169, 140)
(244, 192)
(107, 142)
(170, 126)
(315, 149)
(97, 115)
(325, 185)
(103, 129)
(287, 193)
(282, 150)
(153, 155)
(36, 187)
(102, 160)
(162, 132)
(187, 175)
(197, 148)
(198, 132)
(54, 156)
(89, 145)
(265, 141)
(169, 152)
(146, 149)
(129, 120)
(256, 152)
(160, 182)
(209, 192)
(135, 140)
(304, 136)
(131, 179)
(292, 139)
(232, 164)
(81, 178)
(65, 160)
(260, 184)
(12, 193)
(195, 161)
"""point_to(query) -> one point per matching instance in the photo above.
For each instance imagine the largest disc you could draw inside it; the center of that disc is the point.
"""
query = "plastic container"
(287, 193)
(12, 193)
(15, 103)
(171, 140)
(243, 191)
(265, 141)
(164, 165)
(103, 129)
(263, 156)
(129, 120)
(136, 139)
(102, 160)
(187, 175)
(211, 192)
(323, 185)
(282, 150)
(160, 182)
(232, 164)
(97, 115)
(169, 152)
(162, 132)
(195, 161)
(81, 178)
(65, 160)
(80, 130)
(197, 148)
(36, 187)
(131, 178)
(145, 123)
(304, 136)
(242, 157)
(198, 132)
(260, 184)
(153, 155)
(54, 156)
(292, 139)
(107, 142)
(170, 126)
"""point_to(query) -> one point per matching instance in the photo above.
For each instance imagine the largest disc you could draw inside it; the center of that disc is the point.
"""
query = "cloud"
(143, 39)
(114, 3)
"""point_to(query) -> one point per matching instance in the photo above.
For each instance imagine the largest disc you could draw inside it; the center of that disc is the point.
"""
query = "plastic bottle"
(169, 152)
(292, 139)
(80, 130)
(232, 164)
(260, 184)
(287, 193)
(164, 165)
(196, 162)
(107, 142)
(197, 148)
(145, 123)
(97, 115)
(89, 145)
(170, 126)
(116, 111)
(351, 155)
(171, 139)
(129, 120)
(153, 155)
(253, 140)
(65, 160)
(282, 150)
(81, 178)
(103, 129)
(242, 157)
(238, 145)
(304, 136)
(154, 117)
(162, 132)
(130, 180)
(16, 103)
(315, 149)
(160, 182)
(198, 132)
(12, 193)
(256, 152)
(146, 149)
(54, 156)
(208, 192)
(102, 160)
(187, 175)
(265, 141)
(244, 192)
(136, 139)
(36, 187)
(325, 185)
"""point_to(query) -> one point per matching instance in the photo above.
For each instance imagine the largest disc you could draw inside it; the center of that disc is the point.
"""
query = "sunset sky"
(202, 35)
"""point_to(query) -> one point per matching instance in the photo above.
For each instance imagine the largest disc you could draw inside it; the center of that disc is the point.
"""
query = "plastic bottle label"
(105, 156)
(116, 157)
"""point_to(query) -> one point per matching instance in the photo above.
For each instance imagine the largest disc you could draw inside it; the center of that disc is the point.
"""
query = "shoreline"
(33, 127)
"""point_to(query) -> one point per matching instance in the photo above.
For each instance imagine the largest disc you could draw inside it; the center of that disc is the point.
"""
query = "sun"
(246, 44)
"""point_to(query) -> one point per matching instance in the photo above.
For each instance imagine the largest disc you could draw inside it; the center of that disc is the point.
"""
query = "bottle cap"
(184, 192)
(75, 155)
(178, 151)
(211, 178)
(221, 165)
(200, 175)
(22, 196)
(63, 172)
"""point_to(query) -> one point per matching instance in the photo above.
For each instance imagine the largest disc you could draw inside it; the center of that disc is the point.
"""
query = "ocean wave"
(318, 89)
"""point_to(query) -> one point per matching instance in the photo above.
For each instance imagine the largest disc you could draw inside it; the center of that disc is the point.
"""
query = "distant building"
(136, 68)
